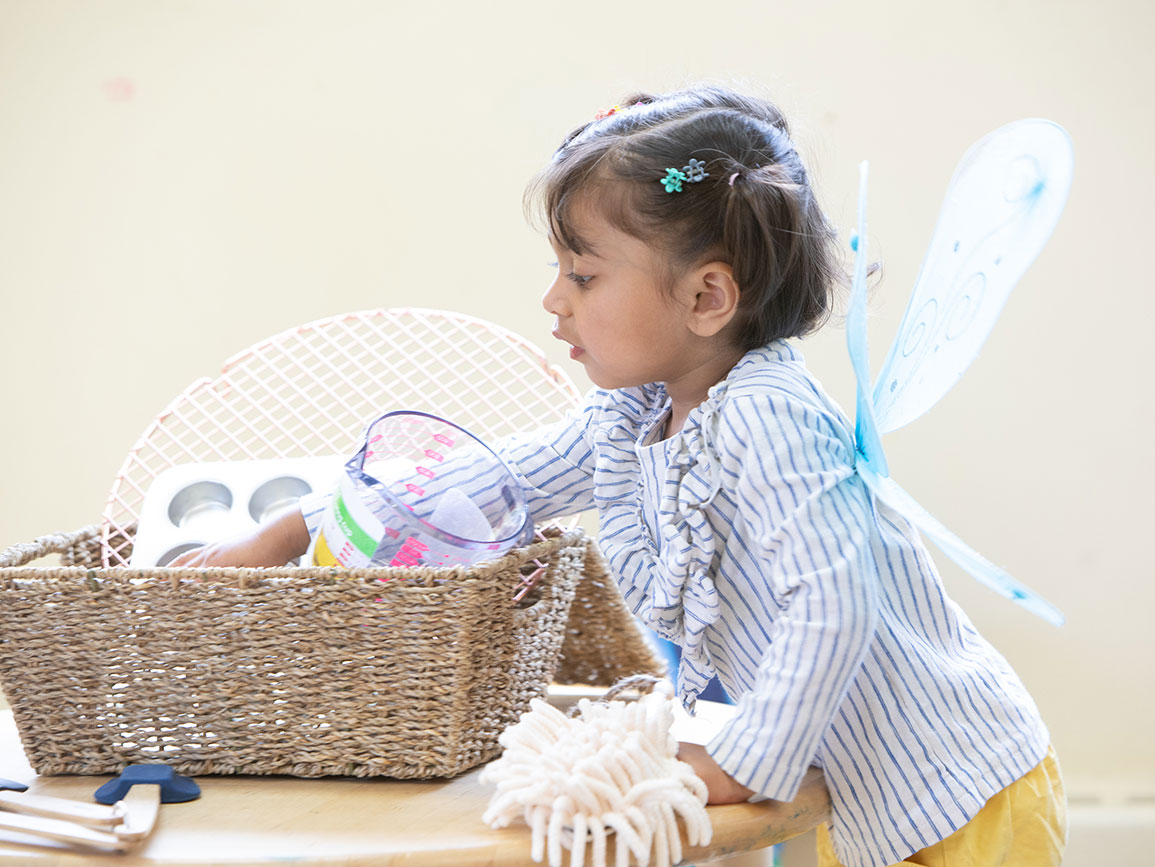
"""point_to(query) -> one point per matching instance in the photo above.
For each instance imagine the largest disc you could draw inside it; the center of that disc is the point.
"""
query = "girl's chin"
(603, 380)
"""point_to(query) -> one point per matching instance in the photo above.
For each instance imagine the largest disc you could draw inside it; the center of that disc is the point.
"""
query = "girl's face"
(611, 308)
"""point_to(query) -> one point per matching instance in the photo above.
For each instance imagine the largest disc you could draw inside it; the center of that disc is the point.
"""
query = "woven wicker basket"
(309, 672)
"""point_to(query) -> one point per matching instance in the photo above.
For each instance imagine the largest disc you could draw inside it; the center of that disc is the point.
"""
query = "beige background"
(179, 180)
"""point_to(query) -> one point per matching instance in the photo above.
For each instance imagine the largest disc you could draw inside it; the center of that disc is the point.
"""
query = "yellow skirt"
(1024, 825)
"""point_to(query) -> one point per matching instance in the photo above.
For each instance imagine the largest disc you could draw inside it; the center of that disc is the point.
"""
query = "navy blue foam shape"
(173, 787)
(12, 785)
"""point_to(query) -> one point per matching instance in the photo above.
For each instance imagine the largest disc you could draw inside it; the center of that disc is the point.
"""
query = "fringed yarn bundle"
(611, 770)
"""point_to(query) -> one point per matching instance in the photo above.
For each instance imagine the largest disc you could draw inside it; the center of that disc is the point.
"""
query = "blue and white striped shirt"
(748, 539)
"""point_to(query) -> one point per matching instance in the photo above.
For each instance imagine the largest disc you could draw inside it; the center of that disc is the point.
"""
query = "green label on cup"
(362, 541)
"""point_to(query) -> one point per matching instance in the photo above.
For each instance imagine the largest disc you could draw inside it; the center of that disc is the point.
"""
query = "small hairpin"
(695, 171)
(690, 174)
(606, 112)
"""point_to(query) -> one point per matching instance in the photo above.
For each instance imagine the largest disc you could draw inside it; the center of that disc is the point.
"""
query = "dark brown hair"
(755, 210)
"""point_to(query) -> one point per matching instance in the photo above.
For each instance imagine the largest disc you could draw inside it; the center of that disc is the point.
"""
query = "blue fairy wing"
(1001, 207)
(977, 565)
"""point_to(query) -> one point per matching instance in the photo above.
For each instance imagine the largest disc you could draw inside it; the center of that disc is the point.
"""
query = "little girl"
(690, 248)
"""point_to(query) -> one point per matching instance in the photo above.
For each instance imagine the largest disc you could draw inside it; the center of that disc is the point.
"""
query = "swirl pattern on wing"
(1001, 207)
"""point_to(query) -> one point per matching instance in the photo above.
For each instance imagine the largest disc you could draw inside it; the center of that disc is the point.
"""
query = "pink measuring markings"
(413, 550)
(433, 455)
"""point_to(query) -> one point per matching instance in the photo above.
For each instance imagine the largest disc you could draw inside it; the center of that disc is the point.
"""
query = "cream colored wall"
(178, 180)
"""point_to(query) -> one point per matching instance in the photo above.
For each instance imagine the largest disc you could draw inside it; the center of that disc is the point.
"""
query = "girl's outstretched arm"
(273, 543)
(553, 466)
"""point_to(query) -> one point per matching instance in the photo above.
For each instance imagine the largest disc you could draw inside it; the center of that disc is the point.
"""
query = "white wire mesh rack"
(309, 391)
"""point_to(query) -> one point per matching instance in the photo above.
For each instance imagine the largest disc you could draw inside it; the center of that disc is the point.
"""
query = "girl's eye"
(580, 279)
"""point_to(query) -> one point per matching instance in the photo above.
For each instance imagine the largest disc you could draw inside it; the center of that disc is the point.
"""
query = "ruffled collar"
(678, 599)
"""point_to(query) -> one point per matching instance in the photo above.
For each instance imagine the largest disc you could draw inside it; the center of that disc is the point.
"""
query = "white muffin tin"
(194, 504)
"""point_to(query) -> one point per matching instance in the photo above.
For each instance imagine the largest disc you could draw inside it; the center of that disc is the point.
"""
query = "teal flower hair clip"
(690, 174)
(673, 180)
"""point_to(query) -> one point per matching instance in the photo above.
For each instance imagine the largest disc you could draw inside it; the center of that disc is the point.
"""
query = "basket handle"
(643, 683)
(53, 543)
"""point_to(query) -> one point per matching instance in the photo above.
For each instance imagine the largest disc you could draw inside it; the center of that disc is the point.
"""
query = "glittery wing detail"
(1000, 208)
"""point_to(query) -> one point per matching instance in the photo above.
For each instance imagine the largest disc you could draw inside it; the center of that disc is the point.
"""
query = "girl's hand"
(273, 544)
(721, 788)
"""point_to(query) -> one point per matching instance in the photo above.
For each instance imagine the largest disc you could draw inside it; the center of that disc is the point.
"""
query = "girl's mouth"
(574, 350)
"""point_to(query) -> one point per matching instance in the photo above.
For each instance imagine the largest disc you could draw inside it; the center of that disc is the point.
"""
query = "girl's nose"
(554, 298)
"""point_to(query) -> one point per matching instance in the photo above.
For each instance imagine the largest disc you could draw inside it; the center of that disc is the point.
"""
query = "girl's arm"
(273, 543)
(554, 466)
(721, 788)
(805, 520)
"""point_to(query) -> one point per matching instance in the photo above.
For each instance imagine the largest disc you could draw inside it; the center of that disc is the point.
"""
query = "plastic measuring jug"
(422, 490)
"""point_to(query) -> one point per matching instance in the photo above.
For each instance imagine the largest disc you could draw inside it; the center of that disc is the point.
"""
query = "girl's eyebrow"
(583, 245)
(555, 244)
(587, 248)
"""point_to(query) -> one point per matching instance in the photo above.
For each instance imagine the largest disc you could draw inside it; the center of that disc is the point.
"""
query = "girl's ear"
(715, 299)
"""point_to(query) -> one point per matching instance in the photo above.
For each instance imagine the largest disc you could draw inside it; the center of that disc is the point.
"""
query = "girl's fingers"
(188, 558)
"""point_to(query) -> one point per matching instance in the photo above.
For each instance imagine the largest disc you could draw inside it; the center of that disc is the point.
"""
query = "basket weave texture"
(309, 672)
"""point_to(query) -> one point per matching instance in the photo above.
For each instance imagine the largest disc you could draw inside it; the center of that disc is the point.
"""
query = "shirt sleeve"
(555, 464)
(806, 517)
(313, 506)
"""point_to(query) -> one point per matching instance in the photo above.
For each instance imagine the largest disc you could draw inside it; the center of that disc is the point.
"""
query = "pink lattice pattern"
(310, 390)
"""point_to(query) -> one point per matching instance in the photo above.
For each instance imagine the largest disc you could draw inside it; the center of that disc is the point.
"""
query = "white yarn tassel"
(611, 770)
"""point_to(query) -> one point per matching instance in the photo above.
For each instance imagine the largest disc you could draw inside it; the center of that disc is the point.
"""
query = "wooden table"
(260, 820)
